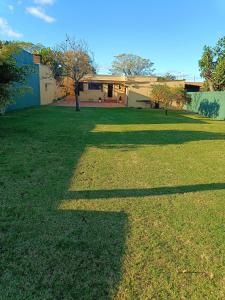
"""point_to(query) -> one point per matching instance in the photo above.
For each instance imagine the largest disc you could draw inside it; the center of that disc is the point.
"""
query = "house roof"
(118, 79)
(200, 84)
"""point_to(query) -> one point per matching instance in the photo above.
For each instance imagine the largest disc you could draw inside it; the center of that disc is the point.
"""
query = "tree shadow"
(209, 109)
(50, 253)
(129, 193)
(47, 252)
(129, 140)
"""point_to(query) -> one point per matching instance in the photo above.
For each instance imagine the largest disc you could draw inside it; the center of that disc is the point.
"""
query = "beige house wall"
(139, 90)
(49, 90)
(132, 91)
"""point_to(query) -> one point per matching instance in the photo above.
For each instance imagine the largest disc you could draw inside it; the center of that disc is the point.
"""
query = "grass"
(111, 204)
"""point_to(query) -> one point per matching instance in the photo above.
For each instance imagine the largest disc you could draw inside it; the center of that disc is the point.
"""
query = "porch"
(101, 90)
(69, 101)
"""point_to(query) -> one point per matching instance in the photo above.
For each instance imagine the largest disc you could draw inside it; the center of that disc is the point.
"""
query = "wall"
(30, 98)
(139, 90)
(49, 90)
(95, 95)
(208, 104)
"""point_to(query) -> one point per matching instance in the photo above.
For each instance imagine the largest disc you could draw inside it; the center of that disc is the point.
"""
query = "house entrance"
(110, 90)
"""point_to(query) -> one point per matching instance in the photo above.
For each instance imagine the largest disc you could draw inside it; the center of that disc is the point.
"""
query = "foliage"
(180, 96)
(167, 77)
(11, 73)
(162, 93)
(212, 65)
(166, 95)
(205, 87)
(131, 65)
(73, 59)
(48, 58)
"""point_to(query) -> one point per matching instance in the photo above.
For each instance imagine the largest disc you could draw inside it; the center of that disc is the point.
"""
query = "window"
(46, 87)
(94, 86)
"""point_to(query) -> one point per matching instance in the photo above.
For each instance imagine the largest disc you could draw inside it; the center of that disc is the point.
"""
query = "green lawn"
(111, 204)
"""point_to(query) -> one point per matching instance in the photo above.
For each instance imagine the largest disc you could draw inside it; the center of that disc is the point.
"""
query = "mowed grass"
(111, 204)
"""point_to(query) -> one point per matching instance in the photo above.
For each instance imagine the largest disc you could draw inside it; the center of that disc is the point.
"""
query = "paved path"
(70, 101)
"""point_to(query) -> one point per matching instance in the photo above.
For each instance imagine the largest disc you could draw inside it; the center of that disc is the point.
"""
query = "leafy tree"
(71, 59)
(167, 77)
(180, 96)
(207, 66)
(162, 93)
(212, 65)
(49, 58)
(11, 73)
(166, 95)
(131, 65)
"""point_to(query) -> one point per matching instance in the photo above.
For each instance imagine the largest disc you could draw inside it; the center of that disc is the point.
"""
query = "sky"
(171, 33)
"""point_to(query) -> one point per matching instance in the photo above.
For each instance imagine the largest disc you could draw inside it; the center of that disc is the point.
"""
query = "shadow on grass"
(61, 254)
(47, 253)
(129, 193)
(131, 139)
(129, 116)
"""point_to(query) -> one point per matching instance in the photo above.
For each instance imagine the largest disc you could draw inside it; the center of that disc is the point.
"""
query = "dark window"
(110, 90)
(94, 86)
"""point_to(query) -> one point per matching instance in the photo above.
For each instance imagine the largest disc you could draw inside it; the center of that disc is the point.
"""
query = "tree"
(11, 73)
(167, 77)
(71, 59)
(212, 66)
(131, 65)
(180, 96)
(207, 66)
(167, 95)
(163, 94)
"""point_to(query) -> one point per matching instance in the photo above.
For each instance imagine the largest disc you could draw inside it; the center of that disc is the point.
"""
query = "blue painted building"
(31, 98)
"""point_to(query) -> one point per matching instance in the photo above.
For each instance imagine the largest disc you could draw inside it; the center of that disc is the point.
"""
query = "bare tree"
(72, 58)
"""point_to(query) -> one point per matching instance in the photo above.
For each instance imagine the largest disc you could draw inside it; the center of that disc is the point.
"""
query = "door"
(110, 90)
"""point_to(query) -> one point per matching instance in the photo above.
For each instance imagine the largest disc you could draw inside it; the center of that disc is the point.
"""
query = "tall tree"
(11, 73)
(212, 65)
(72, 59)
(131, 65)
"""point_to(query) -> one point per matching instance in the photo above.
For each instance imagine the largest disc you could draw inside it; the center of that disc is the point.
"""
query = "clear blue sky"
(170, 33)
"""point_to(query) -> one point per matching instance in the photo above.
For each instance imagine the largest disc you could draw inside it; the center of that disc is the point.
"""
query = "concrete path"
(70, 102)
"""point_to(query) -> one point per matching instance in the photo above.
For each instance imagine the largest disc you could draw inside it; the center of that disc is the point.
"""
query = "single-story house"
(131, 91)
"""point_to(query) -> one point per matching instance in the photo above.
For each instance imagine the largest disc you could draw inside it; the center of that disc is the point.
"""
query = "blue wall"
(30, 98)
(208, 104)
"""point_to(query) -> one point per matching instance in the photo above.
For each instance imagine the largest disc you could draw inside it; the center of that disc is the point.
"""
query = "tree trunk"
(211, 87)
(166, 109)
(77, 101)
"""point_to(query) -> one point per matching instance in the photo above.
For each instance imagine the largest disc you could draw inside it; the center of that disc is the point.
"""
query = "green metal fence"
(209, 104)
